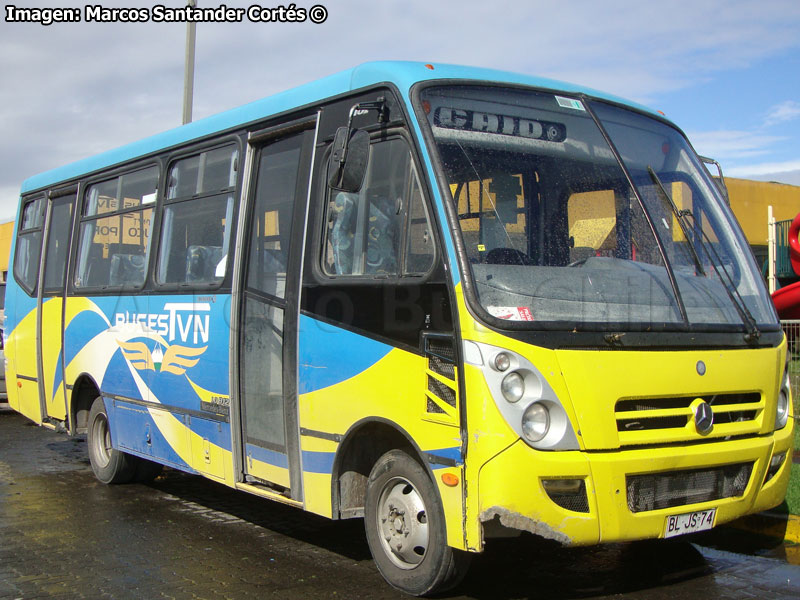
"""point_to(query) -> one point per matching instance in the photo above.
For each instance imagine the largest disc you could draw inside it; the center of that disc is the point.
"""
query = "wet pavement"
(65, 535)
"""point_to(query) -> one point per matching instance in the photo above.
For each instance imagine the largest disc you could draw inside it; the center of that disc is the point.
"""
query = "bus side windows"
(382, 230)
(419, 241)
(198, 217)
(29, 244)
(114, 238)
(271, 228)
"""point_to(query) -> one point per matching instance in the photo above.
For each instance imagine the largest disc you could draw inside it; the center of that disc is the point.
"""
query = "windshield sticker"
(501, 124)
(511, 313)
(569, 103)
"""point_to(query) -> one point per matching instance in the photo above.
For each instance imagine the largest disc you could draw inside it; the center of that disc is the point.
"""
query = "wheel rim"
(101, 441)
(403, 523)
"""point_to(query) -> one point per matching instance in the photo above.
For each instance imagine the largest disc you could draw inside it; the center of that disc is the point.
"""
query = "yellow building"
(750, 199)
(6, 234)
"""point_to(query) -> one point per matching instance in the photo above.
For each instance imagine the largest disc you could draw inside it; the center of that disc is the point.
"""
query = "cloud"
(765, 168)
(732, 145)
(788, 110)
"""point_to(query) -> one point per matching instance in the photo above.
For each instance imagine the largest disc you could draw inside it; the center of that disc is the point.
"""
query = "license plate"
(701, 520)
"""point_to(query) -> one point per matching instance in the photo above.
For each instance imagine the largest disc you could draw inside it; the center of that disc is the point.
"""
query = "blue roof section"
(402, 74)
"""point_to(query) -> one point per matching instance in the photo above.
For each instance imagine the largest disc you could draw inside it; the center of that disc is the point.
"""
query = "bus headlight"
(502, 361)
(524, 397)
(535, 422)
(513, 387)
(784, 398)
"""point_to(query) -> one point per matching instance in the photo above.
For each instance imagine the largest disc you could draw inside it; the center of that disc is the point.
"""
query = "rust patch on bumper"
(514, 520)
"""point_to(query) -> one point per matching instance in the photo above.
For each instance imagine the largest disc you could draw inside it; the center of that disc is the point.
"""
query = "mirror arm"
(723, 188)
(383, 117)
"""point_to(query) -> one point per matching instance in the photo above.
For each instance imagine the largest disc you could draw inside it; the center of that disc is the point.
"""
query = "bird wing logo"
(138, 354)
(175, 359)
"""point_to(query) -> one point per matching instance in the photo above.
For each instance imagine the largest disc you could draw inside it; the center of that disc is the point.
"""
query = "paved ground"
(64, 535)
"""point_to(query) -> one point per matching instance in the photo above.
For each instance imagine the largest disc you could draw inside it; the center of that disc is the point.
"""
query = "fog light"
(775, 465)
(535, 422)
(562, 486)
(567, 493)
(513, 387)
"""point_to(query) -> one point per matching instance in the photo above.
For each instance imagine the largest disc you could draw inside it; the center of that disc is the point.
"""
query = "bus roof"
(400, 73)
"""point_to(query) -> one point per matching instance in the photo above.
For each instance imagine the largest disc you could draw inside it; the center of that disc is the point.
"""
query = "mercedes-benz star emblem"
(703, 418)
(701, 367)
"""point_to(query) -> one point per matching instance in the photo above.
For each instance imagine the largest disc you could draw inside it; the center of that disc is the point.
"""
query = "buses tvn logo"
(175, 359)
(173, 323)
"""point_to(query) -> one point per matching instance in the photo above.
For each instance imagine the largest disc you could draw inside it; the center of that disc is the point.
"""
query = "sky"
(726, 71)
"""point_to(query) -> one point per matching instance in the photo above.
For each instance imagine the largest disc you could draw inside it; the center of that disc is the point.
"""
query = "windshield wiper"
(707, 245)
(679, 216)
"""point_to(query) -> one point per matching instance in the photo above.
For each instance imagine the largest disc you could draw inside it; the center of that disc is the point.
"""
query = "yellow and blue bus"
(458, 303)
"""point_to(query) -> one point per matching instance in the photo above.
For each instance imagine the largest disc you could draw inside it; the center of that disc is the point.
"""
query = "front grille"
(671, 419)
(678, 488)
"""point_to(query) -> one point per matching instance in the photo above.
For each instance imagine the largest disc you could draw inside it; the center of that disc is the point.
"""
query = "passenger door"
(50, 321)
(22, 344)
(268, 314)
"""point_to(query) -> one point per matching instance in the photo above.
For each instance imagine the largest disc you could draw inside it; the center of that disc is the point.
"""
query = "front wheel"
(404, 521)
(109, 465)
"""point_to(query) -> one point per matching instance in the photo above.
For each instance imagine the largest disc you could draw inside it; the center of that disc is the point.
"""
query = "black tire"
(109, 465)
(405, 527)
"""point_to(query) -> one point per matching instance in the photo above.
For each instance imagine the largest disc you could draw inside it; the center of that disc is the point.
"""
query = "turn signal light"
(449, 479)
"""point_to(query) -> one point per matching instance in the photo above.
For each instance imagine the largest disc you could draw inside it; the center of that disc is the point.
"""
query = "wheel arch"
(84, 391)
(361, 447)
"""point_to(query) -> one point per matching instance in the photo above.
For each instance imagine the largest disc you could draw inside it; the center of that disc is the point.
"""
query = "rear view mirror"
(348, 159)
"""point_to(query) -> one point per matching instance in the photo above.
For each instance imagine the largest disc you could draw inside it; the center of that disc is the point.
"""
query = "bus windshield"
(561, 227)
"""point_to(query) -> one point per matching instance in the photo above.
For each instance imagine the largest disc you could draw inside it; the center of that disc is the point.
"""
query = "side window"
(592, 219)
(57, 244)
(383, 230)
(114, 238)
(419, 239)
(492, 216)
(606, 223)
(29, 244)
(272, 219)
(198, 218)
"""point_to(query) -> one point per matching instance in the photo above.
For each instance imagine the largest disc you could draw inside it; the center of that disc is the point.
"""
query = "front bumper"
(511, 489)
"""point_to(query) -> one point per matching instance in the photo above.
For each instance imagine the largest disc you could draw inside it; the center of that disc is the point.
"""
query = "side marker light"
(449, 479)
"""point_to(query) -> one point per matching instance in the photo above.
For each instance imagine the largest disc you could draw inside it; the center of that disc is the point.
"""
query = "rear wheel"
(404, 521)
(109, 465)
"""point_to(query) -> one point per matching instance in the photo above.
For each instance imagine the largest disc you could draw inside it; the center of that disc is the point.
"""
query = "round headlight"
(513, 387)
(782, 414)
(502, 361)
(535, 422)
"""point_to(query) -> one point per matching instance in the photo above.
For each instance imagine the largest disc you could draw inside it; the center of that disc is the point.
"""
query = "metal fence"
(792, 331)
(783, 265)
